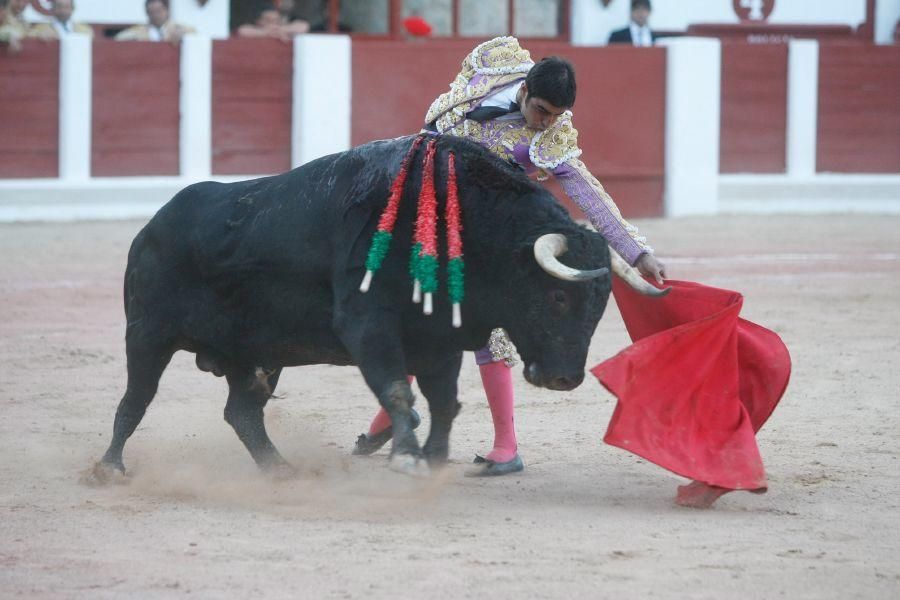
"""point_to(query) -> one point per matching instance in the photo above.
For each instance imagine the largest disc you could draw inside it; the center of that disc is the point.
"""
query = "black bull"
(259, 275)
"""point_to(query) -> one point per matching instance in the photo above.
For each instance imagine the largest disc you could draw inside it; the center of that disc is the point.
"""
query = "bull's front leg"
(438, 382)
(375, 344)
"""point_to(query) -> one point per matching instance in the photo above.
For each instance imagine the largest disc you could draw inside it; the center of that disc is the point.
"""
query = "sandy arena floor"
(584, 520)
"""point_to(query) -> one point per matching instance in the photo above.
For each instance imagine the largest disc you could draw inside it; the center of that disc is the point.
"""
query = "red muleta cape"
(696, 385)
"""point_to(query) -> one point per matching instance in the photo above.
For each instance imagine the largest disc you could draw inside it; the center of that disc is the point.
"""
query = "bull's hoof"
(368, 444)
(488, 468)
(410, 465)
(436, 460)
(103, 474)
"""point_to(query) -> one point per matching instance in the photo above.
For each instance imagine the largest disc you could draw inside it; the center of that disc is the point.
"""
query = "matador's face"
(539, 114)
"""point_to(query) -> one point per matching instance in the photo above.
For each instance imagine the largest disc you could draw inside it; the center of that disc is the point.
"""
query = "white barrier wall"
(195, 128)
(693, 84)
(592, 22)
(803, 98)
(75, 88)
(322, 97)
(802, 189)
(321, 125)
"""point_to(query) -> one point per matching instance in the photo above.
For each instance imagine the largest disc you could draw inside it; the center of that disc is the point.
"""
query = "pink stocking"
(382, 420)
(497, 380)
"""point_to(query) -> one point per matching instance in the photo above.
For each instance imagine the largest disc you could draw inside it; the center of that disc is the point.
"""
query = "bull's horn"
(630, 275)
(548, 247)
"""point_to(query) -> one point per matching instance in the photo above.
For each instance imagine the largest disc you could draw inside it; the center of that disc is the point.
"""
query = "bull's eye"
(559, 300)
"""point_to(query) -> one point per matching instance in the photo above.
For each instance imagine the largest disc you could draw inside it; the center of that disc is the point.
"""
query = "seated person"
(62, 23)
(160, 28)
(269, 23)
(13, 27)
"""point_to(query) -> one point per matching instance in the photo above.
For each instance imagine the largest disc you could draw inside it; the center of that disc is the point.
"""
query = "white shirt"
(640, 36)
(63, 29)
(504, 98)
(157, 35)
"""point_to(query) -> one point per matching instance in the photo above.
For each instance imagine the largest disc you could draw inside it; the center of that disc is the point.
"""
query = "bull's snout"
(555, 381)
(564, 383)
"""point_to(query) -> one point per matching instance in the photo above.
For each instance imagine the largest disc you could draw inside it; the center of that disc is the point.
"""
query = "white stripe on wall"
(803, 107)
(75, 103)
(693, 83)
(321, 105)
(195, 142)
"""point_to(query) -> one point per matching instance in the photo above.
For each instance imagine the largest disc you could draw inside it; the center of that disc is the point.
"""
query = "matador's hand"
(649, 266)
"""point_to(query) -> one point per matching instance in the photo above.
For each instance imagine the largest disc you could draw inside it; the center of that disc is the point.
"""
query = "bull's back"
(237, 269)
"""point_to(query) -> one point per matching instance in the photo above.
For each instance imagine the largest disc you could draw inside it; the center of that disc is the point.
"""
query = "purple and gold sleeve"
(585, 191)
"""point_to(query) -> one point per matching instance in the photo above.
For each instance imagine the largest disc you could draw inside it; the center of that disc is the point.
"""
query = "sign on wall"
(753, 10)
(42, 6)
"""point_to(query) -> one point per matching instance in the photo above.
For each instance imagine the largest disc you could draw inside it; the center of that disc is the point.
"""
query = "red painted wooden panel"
(252, 92)
(135, 129)
(29, 111)
(859, 109)
(620, 111)
(753, 135)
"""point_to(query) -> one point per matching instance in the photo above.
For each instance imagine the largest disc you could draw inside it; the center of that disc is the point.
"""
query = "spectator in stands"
(62, 23)
(637, 33)
(13, 27)
(160, 28)
(270, 23)
(314, 12)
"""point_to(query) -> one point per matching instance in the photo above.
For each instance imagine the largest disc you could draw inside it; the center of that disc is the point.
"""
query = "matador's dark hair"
(553, 80)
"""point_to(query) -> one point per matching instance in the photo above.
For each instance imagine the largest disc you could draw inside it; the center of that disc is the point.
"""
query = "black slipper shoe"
(367, 444)
(489, 468)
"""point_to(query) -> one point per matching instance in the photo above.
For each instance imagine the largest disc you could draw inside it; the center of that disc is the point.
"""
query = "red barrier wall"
(859, 109)
(620, 111)
(29, 111)
(135, 126)
(753, 136)
(251, 106)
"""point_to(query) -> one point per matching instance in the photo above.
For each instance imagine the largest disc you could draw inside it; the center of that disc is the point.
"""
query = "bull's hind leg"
(146, 364)
(248, 393)
(439, 386)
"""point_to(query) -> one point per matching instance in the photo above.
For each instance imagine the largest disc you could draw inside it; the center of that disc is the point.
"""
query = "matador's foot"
(700, 495)
(484, 467)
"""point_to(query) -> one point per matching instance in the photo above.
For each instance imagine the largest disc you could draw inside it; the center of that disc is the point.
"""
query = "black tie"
(486, 113)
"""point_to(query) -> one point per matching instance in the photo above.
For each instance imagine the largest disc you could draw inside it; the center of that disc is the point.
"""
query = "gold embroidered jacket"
(501, 63)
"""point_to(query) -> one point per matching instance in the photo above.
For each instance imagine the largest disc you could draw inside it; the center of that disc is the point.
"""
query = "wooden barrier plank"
(753, 135)
(859, 109)
(136, 104)
(29, 111)
(252, 95)
(619, 112)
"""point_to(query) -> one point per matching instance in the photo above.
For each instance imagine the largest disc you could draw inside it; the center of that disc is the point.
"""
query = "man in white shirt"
(637, 33)
(160, 27)
(62, 24)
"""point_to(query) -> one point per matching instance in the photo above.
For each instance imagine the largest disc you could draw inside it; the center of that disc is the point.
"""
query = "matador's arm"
(585, 191)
